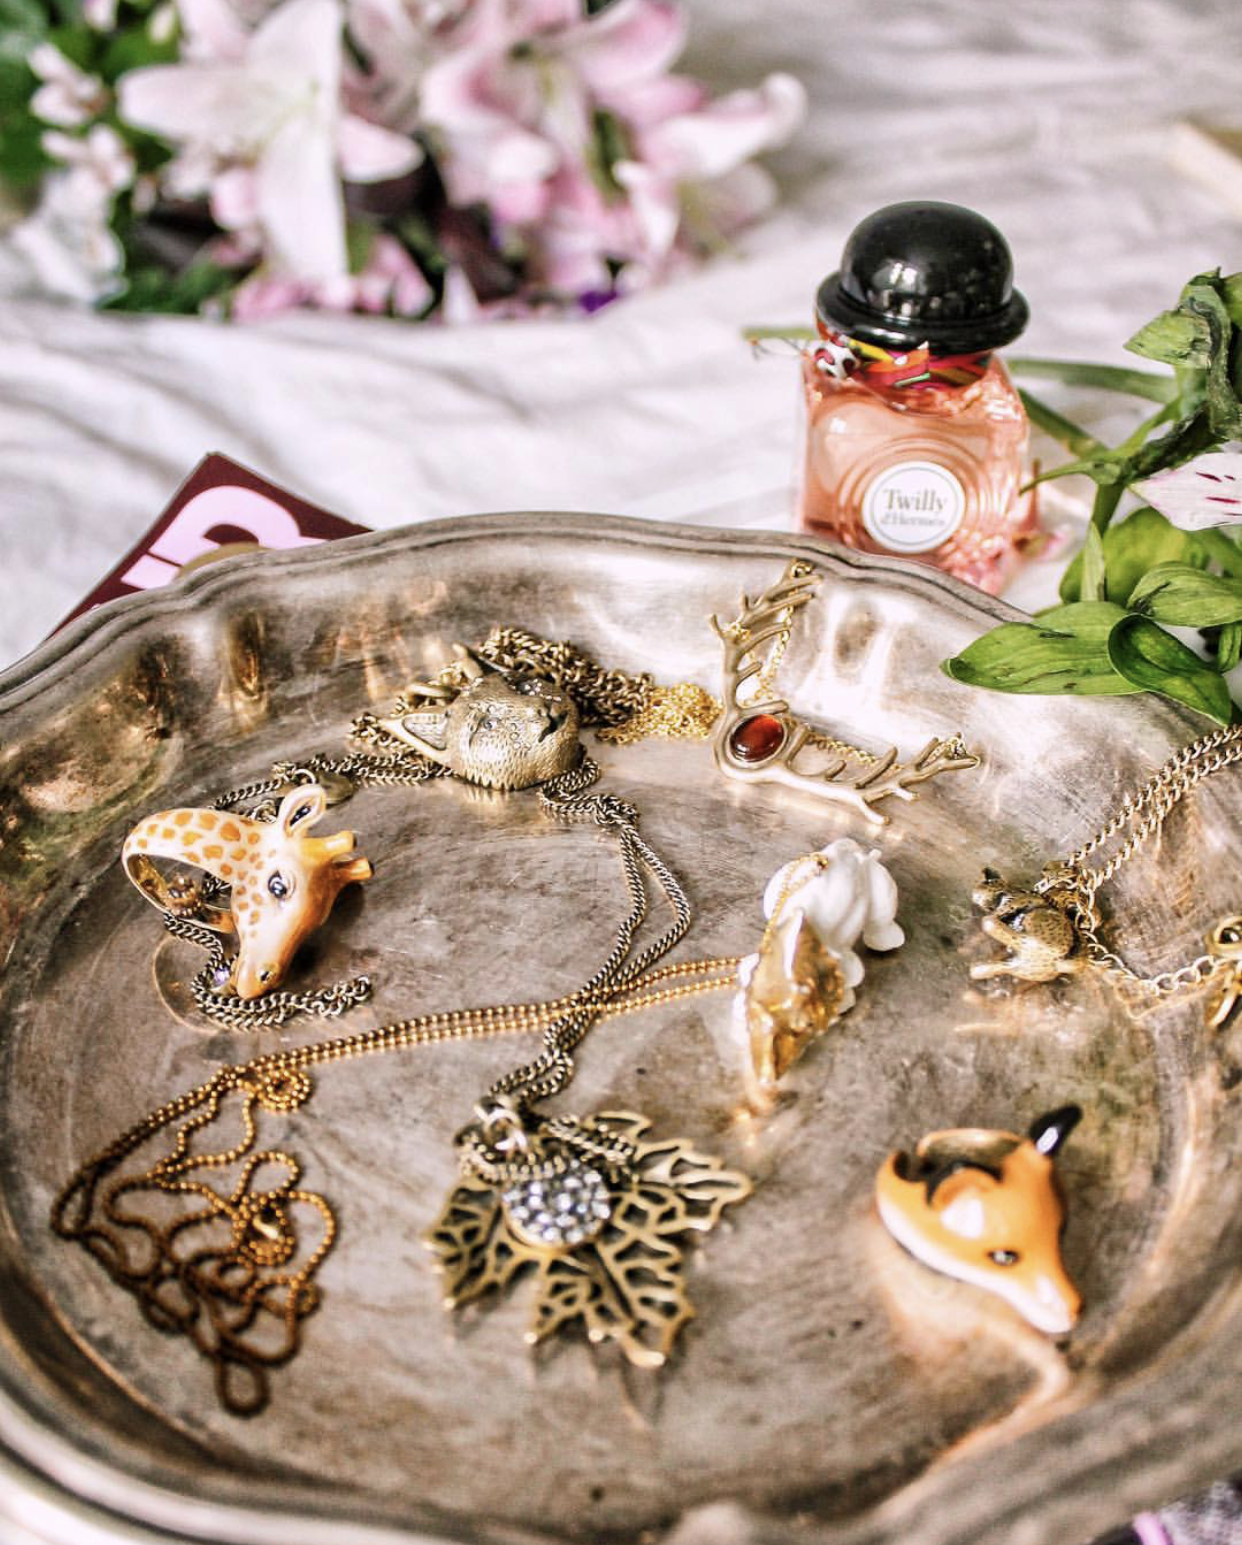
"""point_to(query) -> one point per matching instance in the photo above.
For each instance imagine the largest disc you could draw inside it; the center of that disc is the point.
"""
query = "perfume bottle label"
(913, 506)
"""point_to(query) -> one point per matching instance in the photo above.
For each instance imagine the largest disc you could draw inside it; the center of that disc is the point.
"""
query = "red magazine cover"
(220, 505)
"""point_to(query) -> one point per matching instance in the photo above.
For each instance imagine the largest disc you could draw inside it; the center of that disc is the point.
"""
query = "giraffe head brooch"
(282, 882)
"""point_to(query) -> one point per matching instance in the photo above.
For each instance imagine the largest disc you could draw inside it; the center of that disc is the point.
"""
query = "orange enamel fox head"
(996, 1221)
(283, 882)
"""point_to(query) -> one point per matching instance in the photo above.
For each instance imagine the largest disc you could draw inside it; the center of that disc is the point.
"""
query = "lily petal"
(301, 40)
(1205, 492)
(216, 104)
(212, 30)
(726, 132)
(302, 209)
(630, 42)
(368, 153)
(644, 104)
(656, 205)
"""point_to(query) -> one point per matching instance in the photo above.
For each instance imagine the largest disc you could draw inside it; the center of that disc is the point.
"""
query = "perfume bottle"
(916, 441)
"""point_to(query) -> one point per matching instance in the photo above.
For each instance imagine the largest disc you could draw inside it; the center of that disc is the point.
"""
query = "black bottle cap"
(925, 273)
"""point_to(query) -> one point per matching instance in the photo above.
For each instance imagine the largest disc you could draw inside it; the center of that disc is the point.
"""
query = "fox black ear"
(1050, 1131)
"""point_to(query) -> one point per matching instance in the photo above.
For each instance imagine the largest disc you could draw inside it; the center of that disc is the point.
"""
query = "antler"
(889, 776)
(758, 738)
(768, 617)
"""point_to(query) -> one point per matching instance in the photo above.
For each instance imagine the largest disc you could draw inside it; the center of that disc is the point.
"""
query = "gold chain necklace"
(594, 1205)
(1053, 929)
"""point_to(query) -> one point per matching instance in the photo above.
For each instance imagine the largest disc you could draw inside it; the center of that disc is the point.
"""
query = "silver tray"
(830, 1389)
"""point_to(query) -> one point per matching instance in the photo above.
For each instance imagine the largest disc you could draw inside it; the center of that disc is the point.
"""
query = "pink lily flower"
(276, 109)
(389, 282)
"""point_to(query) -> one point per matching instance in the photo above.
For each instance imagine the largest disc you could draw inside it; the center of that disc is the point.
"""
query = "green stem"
(794, 334)
(1135, 441)
(1107, 498)
(1062, 429)
(1112, 378)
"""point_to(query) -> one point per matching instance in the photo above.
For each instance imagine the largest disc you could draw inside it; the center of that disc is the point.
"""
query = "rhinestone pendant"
(602, 1243)
(559, 1213)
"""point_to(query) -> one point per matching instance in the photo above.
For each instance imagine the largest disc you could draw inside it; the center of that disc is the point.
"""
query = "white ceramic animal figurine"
(846, 893)
(804, 974)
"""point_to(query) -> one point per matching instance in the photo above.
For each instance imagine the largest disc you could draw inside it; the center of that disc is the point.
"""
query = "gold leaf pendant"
(603, 1239)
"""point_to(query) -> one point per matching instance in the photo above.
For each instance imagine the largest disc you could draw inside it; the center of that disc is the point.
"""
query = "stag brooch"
(758, 738)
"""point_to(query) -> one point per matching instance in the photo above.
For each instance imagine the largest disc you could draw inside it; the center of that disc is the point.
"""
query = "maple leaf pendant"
(601, 1236)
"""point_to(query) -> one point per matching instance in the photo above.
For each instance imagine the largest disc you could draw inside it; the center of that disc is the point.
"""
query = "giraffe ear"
(301, 808)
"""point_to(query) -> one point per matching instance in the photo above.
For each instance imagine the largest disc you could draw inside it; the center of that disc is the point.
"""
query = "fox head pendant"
(995, 1223)
(501, 731)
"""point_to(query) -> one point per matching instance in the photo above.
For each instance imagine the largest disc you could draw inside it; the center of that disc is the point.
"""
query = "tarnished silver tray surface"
(830, 1389)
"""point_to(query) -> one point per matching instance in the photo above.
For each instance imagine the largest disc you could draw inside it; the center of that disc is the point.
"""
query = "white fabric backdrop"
(1050, 116)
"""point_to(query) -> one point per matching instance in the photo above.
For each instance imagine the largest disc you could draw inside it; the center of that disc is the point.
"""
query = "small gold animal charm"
(984, 1207)
(1034, 926)
(501, 731)
(283, 883)
(1225, 943)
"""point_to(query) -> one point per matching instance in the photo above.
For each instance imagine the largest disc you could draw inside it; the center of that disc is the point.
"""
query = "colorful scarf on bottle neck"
(884, 371)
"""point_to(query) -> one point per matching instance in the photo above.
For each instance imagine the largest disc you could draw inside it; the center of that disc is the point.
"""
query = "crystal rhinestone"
(560, 1212)
(757, 738)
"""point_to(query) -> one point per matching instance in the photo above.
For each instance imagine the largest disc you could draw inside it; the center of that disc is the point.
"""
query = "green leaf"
(1229, 647)
(1223, 411)
(1091, 621)
(1221, 546)
(359, 244)
(1186, 597)
(609, 144)
(1231, 294)
(1065, 650)
(132, 48)
(1131, 548)
(17, 85)
(157, 289)
(23, 16)
(77, 42)
(1174, 338)
(1040, 414)
(1109, 378)
(1093, 587)
(1149, 658)
(23, 159)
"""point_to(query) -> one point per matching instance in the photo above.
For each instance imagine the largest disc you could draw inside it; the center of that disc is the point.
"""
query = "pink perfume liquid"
(930, 472)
